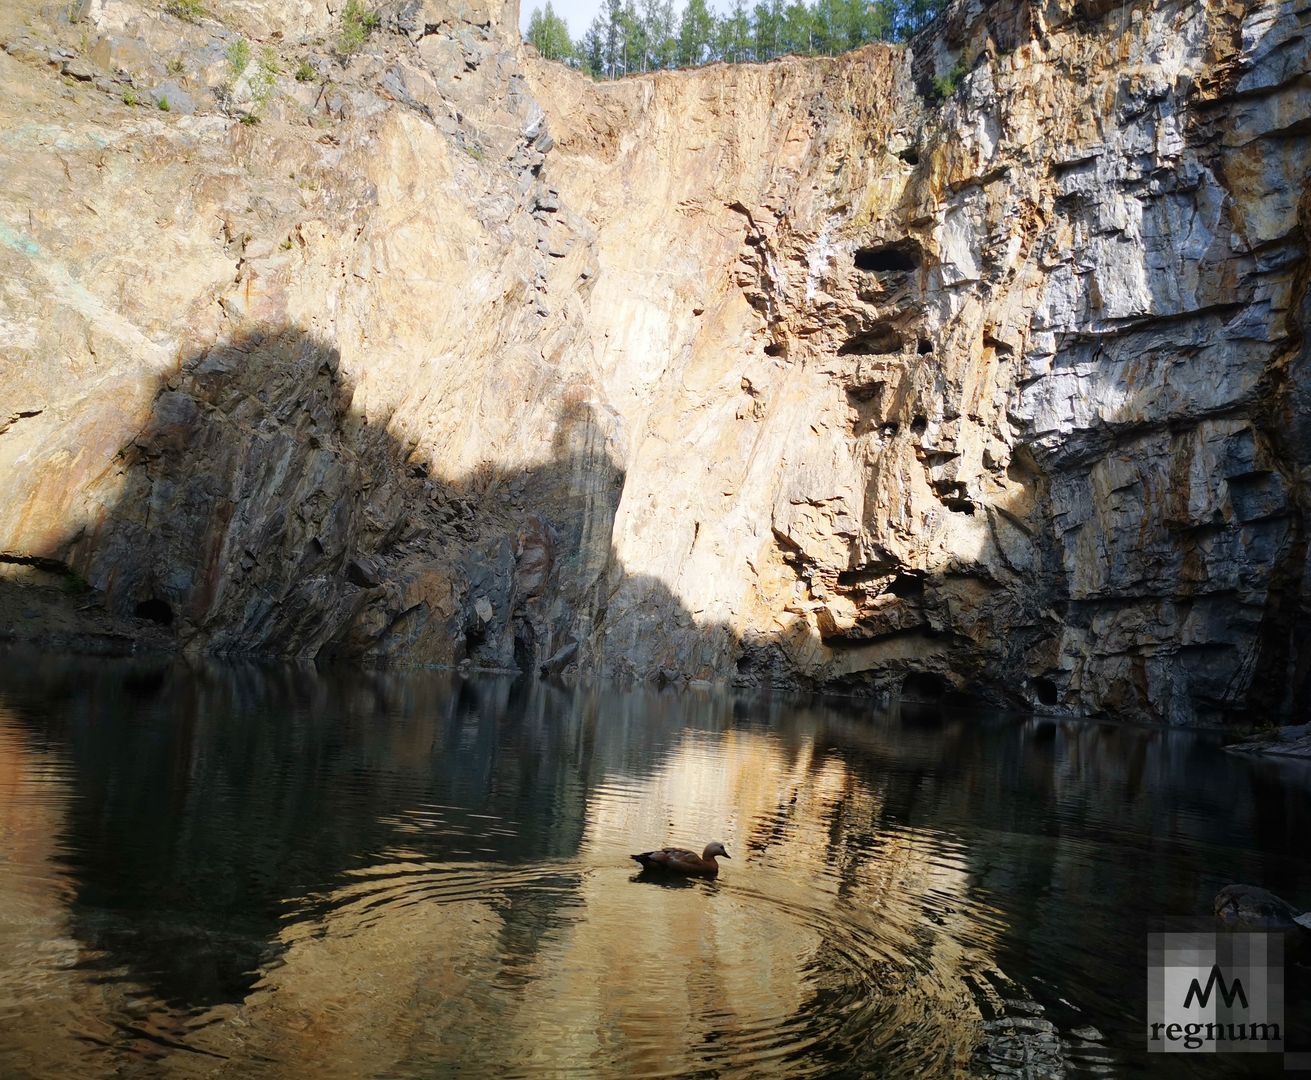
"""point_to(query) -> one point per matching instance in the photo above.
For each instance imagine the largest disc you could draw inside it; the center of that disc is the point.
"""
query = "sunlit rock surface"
(782, 373)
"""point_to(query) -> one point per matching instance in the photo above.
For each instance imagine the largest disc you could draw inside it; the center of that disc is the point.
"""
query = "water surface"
(277, 872)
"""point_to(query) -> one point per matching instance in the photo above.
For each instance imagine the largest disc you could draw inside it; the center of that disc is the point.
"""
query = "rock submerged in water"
(1250, 907)
(1291, 741)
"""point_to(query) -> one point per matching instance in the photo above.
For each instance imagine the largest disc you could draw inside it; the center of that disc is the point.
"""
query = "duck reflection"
(671, 881)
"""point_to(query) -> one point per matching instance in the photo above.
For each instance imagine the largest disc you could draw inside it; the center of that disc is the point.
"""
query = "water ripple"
(383, 874)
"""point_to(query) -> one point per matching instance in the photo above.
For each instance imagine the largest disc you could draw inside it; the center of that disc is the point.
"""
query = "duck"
(673, 860)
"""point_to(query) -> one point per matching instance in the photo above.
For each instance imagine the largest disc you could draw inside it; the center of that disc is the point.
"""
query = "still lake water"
(274, 872)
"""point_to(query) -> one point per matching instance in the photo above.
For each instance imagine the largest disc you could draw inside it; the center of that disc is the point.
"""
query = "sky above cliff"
(578, 14)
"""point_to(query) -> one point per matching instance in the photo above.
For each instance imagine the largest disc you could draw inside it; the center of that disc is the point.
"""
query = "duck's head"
(714, 848)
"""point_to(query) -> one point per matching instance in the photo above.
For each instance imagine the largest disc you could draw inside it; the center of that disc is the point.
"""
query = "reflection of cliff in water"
(229, 791)
(371, 872)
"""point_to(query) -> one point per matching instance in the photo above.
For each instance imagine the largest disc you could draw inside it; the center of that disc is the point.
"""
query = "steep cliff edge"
(786, 372)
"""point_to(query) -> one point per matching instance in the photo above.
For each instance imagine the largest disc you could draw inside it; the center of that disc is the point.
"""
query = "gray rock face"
(1147, 399)
(1294, 740)
(782, 373)
(170, 97)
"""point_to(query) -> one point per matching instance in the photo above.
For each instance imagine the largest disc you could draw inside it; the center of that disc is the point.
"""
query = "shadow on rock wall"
(259, 513)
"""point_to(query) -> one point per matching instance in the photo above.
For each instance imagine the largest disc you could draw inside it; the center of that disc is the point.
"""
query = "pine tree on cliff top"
(695, 33)
(548, 34)
(633, 36)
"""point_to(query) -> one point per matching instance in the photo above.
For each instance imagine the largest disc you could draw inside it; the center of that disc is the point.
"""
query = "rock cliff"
(796, 373)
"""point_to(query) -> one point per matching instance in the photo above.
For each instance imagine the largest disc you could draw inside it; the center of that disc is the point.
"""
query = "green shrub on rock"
(357, 23)
(187, 10)
(238, 58)
(945, 86)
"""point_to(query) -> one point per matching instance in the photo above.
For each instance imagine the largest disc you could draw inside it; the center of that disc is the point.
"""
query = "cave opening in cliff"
(525, 647)
(155, 610)
(907, 584)
(880, 341)
(1046, 691)
(887, 259)
(924, 686)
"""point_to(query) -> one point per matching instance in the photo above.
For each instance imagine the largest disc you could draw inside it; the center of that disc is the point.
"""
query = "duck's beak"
(727, 855)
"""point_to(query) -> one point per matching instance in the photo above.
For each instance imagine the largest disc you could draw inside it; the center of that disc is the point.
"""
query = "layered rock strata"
(793, 372)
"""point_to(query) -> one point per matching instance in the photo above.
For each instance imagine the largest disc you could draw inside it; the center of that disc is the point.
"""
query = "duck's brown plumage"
(675, 860)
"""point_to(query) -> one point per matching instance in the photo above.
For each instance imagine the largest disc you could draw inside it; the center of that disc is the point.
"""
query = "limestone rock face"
(435, 351)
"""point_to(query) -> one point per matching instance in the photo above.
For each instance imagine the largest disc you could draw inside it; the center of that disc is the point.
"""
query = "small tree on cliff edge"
(548, 34)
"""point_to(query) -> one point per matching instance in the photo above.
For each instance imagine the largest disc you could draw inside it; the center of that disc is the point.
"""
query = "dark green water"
(273, 872)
